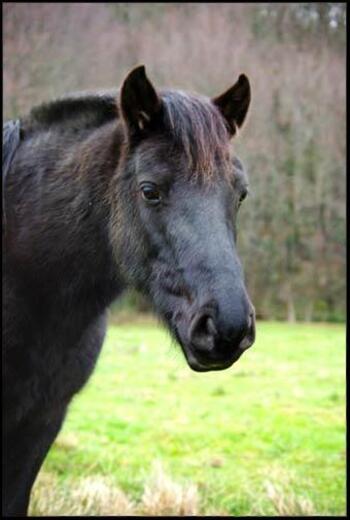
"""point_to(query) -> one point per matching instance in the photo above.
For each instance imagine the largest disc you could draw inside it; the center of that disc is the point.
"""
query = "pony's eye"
(243, 196)
(150, 193)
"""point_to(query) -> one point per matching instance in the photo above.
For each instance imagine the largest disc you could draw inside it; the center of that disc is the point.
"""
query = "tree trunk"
(291, 317)
(309, 311)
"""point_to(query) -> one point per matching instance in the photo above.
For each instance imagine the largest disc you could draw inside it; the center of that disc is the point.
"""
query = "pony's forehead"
(158, 160)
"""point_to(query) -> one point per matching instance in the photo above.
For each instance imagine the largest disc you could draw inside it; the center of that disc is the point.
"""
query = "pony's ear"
(139, 101)
(234, 103)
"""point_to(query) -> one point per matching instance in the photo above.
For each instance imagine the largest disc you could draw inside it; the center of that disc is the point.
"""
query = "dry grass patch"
(89, 496)
(99, 496)
(48, 498)
(287, 503)
(279, 497)
(164, 497)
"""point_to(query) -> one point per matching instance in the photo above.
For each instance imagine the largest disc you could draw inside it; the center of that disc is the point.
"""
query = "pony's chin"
(199, 365)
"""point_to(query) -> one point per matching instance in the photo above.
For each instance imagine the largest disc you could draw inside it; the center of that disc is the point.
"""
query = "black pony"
(104, 191)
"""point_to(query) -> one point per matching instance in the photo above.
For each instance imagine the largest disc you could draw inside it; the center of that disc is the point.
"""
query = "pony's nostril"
(249, 338)
(211, 329)
(203, 332)
(250, 321)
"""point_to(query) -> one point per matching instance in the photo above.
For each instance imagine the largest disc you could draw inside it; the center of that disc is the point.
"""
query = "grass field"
(149, 436)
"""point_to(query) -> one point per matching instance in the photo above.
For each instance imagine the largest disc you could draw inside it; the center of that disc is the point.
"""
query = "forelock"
(199, 130)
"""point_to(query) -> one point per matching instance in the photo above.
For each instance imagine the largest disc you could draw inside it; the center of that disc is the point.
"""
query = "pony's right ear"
(139, 101)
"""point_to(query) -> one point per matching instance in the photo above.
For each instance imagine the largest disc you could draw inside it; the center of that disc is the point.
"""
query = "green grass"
(265, 437)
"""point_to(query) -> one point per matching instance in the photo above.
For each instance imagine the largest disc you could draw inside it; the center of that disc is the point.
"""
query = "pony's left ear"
(234, 103)
(139, 101)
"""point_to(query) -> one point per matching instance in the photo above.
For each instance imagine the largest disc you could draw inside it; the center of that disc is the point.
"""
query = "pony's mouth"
(199, 364)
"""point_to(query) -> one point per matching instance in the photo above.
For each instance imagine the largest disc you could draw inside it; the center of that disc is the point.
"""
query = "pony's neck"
(96, 159)
(95, 162)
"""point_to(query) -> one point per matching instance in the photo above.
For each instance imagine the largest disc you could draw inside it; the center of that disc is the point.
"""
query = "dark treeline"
(292, 227)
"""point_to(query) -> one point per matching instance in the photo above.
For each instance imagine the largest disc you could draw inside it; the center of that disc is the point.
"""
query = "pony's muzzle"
(216, 343)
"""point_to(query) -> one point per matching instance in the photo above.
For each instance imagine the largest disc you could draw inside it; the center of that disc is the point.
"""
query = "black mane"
(80, 110)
